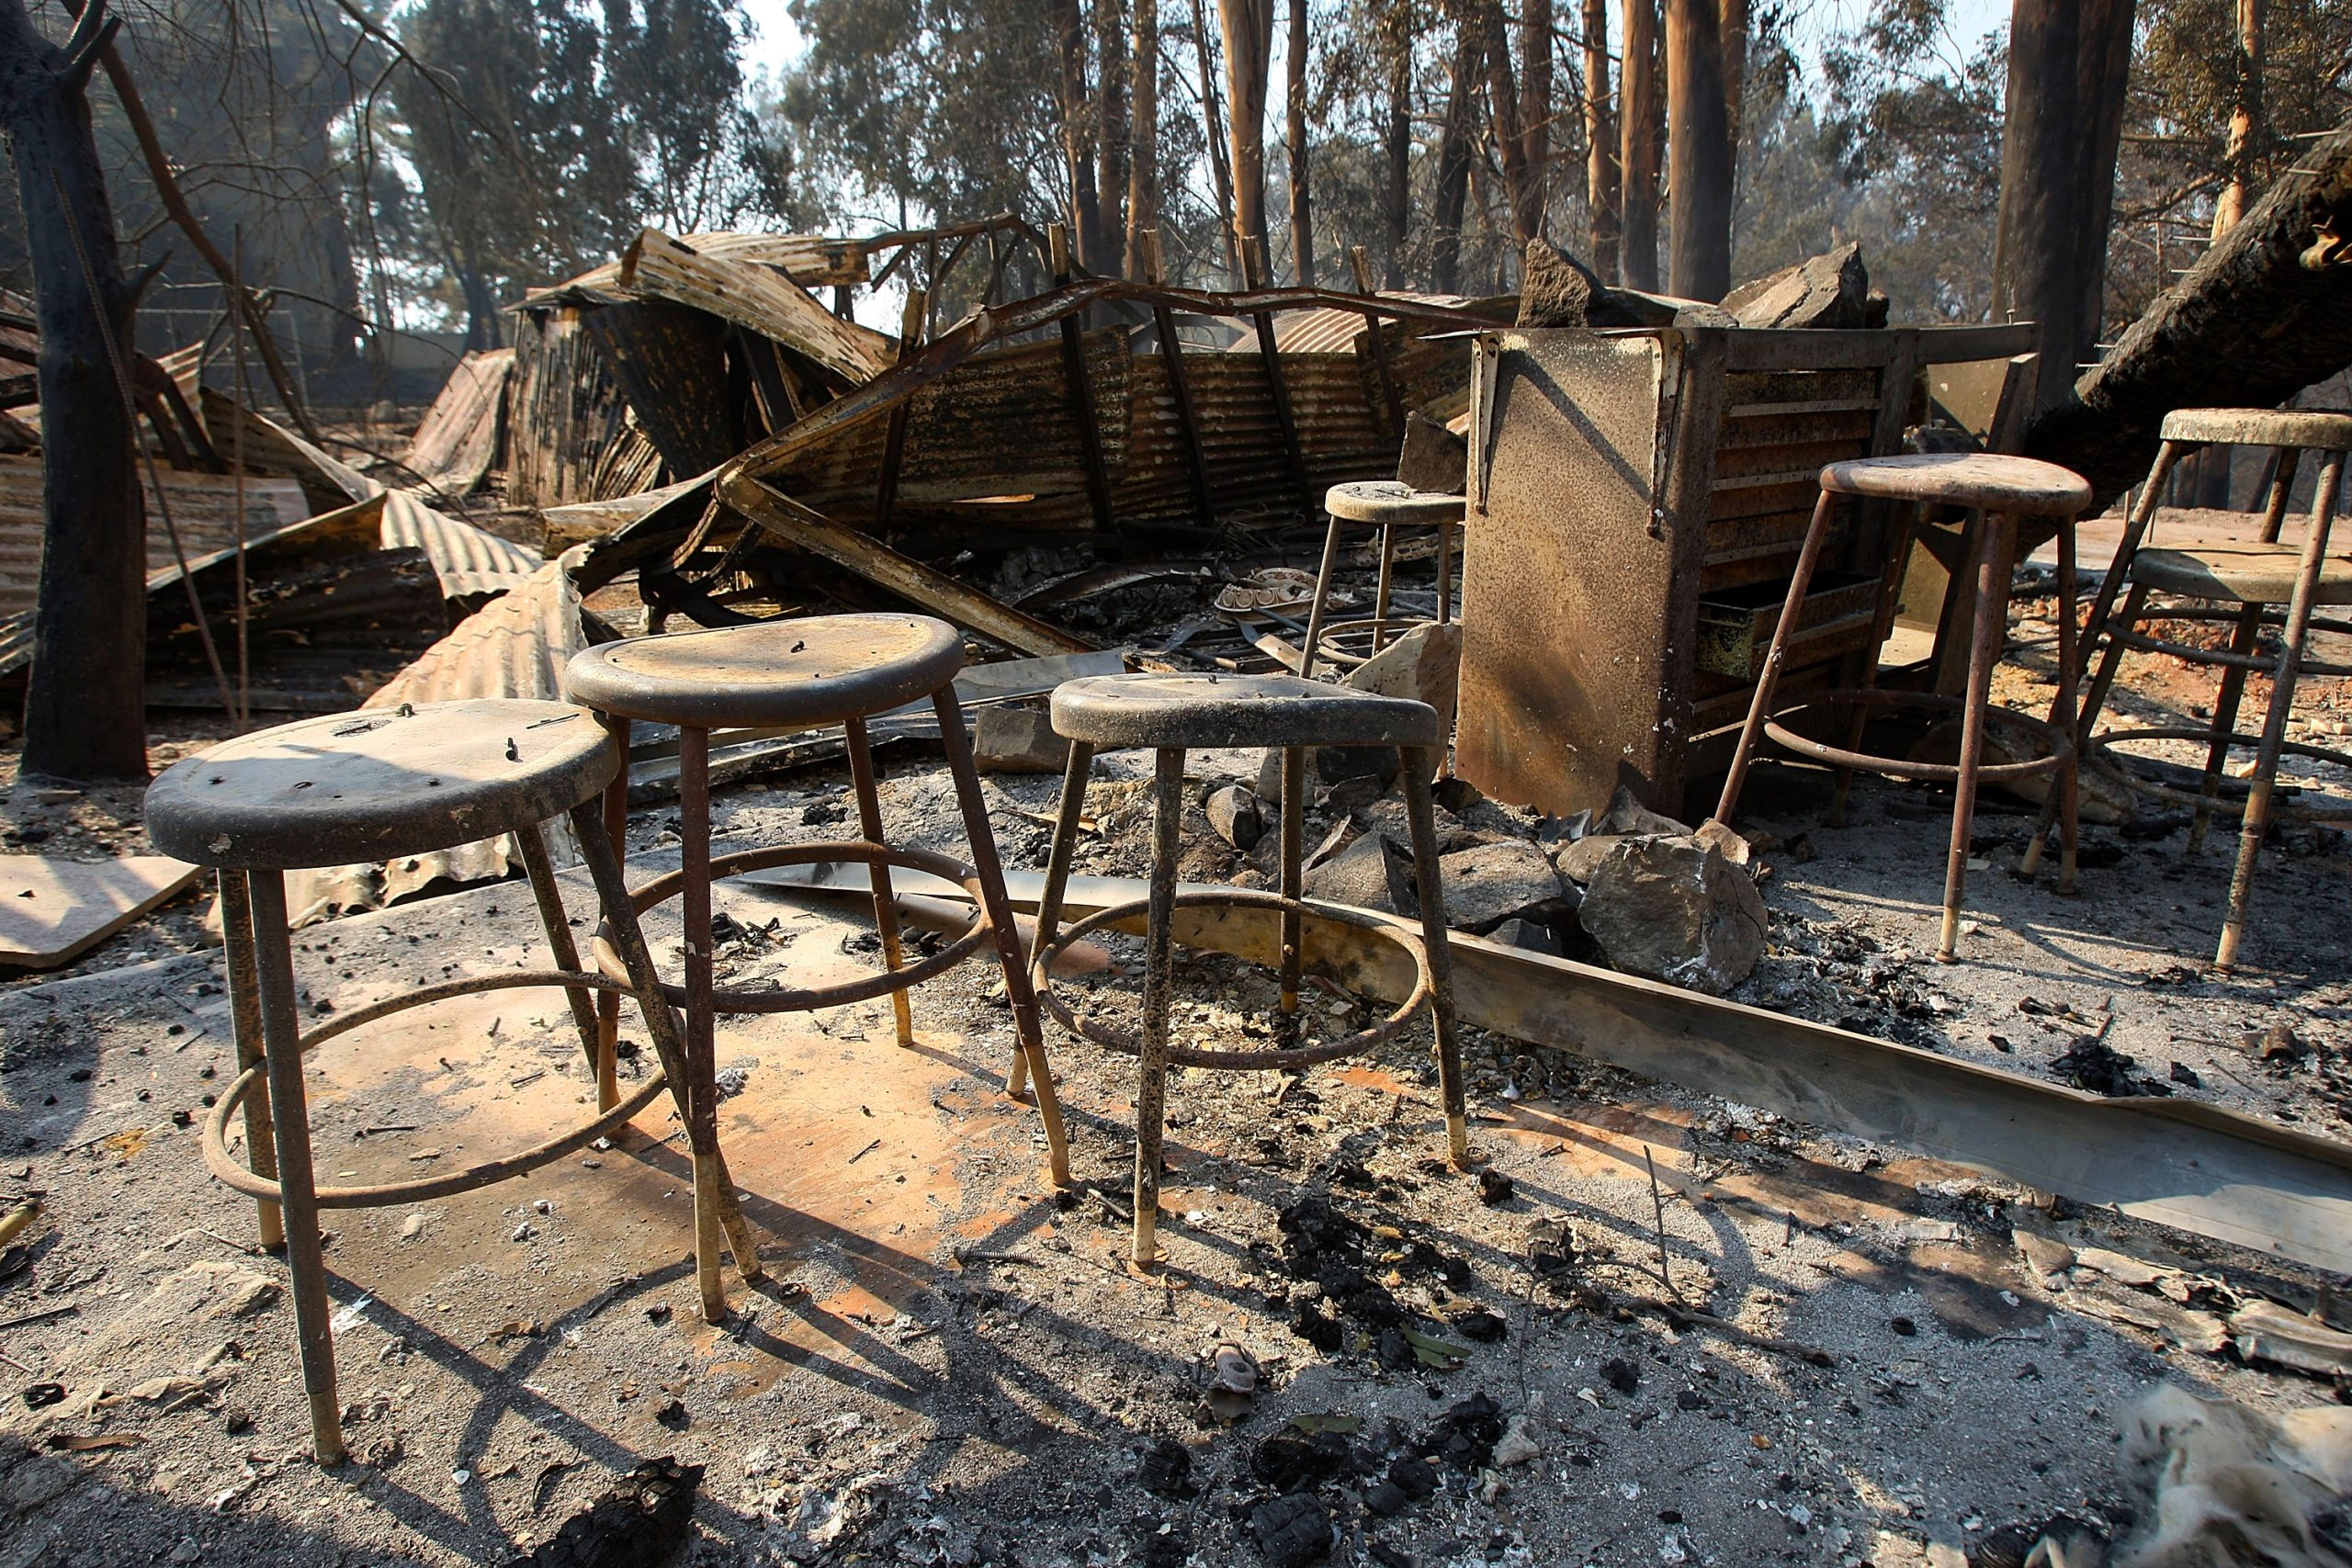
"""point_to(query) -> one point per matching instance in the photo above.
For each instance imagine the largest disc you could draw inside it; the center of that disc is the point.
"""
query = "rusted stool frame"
(984, 878)
(1997, 545)
(1319, 633)
(1432, 990)
(2294, 627)
(280, 1174)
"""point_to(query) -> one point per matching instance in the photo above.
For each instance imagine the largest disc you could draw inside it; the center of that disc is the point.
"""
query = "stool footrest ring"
(2062, 749)
(1420, 999)
(2229, 801)
(234, 1173)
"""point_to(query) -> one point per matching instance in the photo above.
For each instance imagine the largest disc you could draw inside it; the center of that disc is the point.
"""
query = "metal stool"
(1170, 713)
(376, 786)
(1387, 504)
(803, 674)
(2250, 584)
(2004, 489)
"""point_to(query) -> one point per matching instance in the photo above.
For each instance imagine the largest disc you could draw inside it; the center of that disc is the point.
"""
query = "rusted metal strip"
(1081, 388)
(2177, 1162)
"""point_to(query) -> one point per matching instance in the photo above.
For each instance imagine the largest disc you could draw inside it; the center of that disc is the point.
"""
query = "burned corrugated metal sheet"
(1334, 329)
(458, 439)
(204, 507)
(812, 260)
(564, 411)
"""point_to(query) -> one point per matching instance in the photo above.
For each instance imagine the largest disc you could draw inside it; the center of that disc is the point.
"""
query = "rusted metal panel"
(564, 411)
(812, 260)
(456, 441)
(204, 506)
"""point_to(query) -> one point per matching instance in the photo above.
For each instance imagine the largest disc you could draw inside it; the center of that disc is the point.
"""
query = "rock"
(1493, 883)
(1017, 741)
(1372, 873)
(1331, 766)
(1433, 458)
(1165, 1468)
(1233, 811)
(1387, 815)
(1425, 664)
(1528, 935)
(1621, 1374)
(1557, 290)
(1495, 1188)
(1292, 1530)
(1516, 1445)
(1831, 291)
(1626, 814)
(1667, 906)
(1577, 861)
(1735, 848)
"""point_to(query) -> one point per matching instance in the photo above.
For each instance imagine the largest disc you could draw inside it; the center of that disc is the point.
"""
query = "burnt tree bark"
(1078, 125)
(1143, 156)
(1397, 136)
(2267, 313)
(1603, 195)
(1502, 113)
(1248, 27)
(1301, 209)
(2068, 60)
(2246, 120)
(1734, 24)
(1112, 143)
(1698, 152)
(1453, 163)
(1532, 197)
(85, 711)
(1638, 143)
(1219, 169)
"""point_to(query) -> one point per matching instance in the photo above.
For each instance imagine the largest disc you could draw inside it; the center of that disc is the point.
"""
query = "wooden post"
(1637, 142)
(1180, 387)
(1377, 345)
(1254, 261)
(1699, 151)
(1081, 386)
(86, 709)
(894, 439)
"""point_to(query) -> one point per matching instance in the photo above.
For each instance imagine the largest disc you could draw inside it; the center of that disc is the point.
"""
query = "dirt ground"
(952, 1364)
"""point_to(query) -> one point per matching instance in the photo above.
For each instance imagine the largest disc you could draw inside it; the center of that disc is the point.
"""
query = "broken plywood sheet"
(53, 910)
(757, 297)
(514, 647)
(458, 439)
(204, 508)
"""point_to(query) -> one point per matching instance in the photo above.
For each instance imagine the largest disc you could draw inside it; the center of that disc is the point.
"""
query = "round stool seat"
(2244, 571)
(379, 783)
(1390, 501)
(801, 672)
(1111, 711)
(2018, 485)
(2312, 430)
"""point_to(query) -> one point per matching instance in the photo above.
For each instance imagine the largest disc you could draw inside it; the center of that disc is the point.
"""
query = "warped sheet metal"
(812, 260)
(204, 507)
(456, 441)
(514, 647)
(756, 298)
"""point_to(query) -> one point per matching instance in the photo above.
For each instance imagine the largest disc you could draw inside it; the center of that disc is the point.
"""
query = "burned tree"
(1637, 135)
(85, 708)
(1699, 153)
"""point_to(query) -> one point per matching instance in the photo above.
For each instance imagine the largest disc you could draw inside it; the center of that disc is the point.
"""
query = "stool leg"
(531, 849)
(1760, 707)
(2244, 638)
(1388, 580)
(1049, 901)
(2086, 715)
(1158, 982)
(702, 1090)
(1984, 652)
(1424, 821)
(661, 1019)
(2061, 713)
(1322, 598)
(2283, 702)
(1293, 875)
(886, 906)
(989, 872)
(1445, 572)
(615, 828)
(296, 1185)
(244, 1008)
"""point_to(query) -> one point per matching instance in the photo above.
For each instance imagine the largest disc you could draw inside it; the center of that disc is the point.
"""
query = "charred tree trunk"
(1248, 27)
(1229, 224)
(1734, 28)
(1453, 164)
(482, 305)
(1143, 157)
(1638, 142)
(1699, 151)
(1078, 125)
(1109, 242)
(1604, 195)
(1534, 197)
(85, 711)
(2246, 120)
(1502, 111)
(2067, 66)
(1398, 26)
(2267, 313)
(1301, 210)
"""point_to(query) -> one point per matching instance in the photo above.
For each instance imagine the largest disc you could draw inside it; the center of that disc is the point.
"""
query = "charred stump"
(85, 707)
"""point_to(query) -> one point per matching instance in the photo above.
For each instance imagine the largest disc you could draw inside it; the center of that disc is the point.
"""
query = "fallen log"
(2267, 313)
